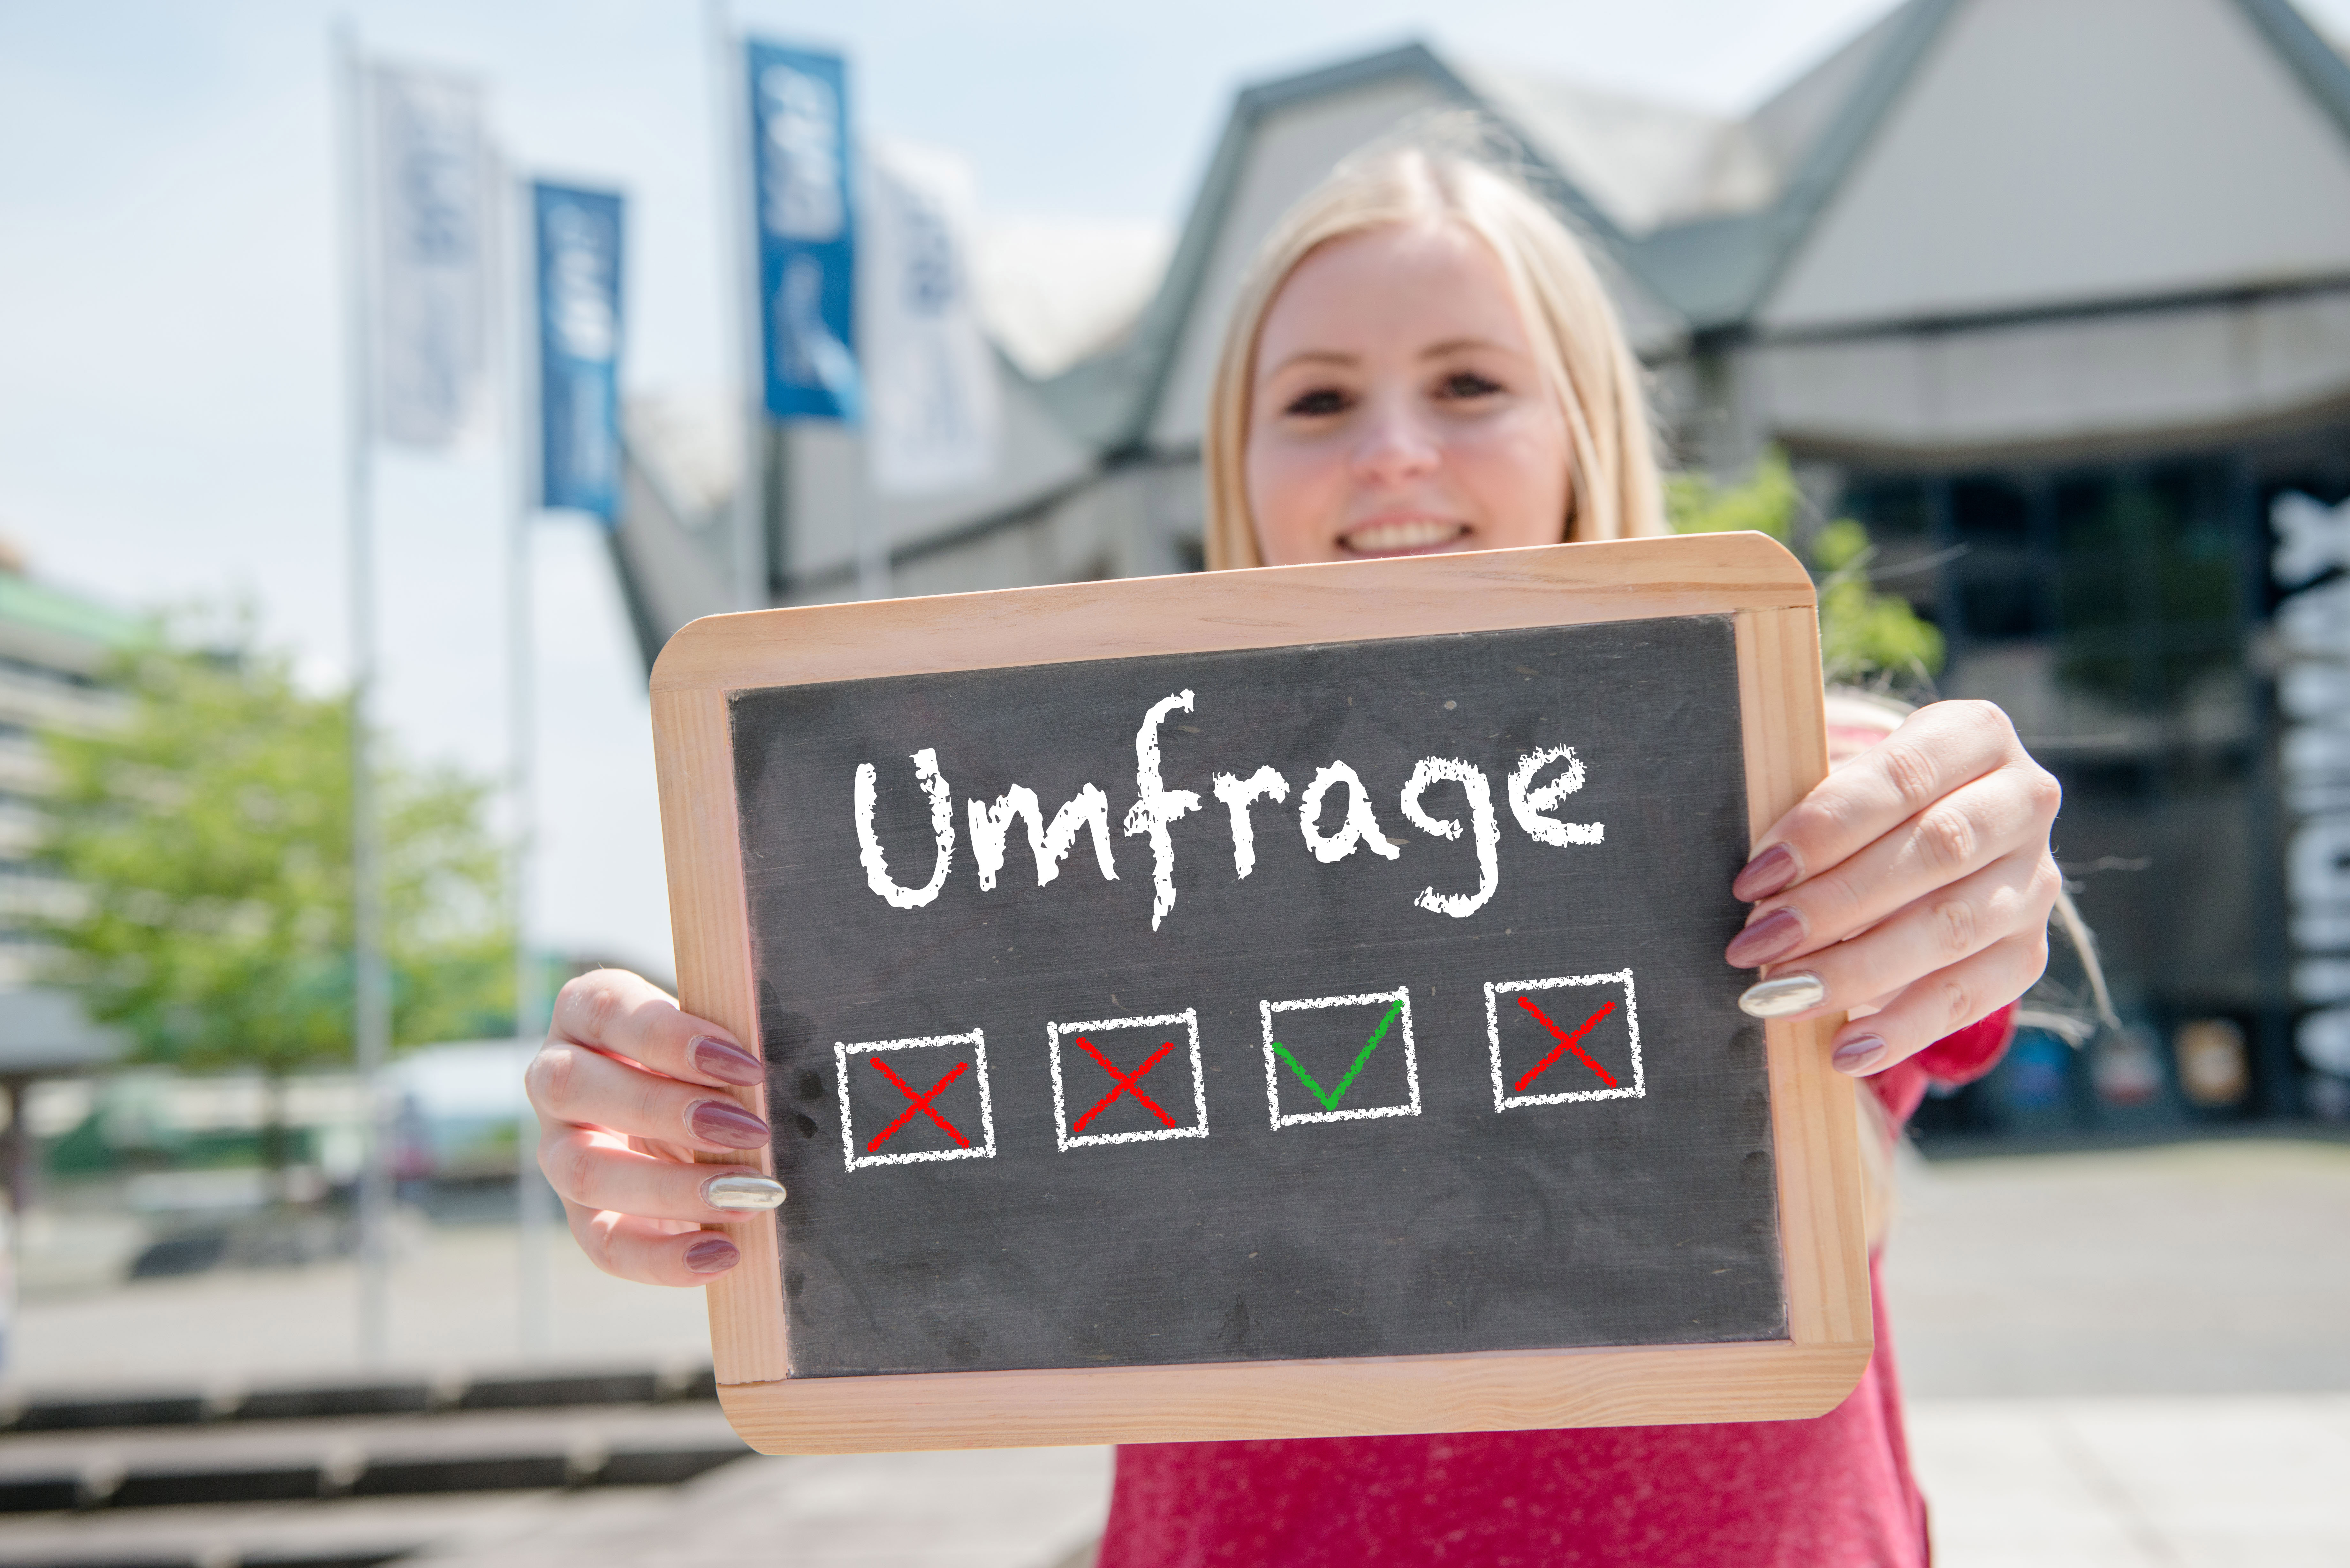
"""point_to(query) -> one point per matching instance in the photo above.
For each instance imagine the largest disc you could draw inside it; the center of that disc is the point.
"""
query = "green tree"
(208, 832)
(1864, 634)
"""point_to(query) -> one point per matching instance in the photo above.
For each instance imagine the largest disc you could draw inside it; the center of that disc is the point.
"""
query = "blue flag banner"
(579, 239)
(807, 226)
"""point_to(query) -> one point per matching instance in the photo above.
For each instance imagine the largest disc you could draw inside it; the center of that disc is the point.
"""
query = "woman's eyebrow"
(1314, 357)
(1455, 345)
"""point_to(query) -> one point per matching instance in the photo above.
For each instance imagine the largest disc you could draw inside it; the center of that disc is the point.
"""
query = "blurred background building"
(2055, 299)
(55, 647)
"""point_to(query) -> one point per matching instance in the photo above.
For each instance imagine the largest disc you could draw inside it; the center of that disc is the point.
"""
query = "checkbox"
(1562, 1041)
(1340, 1058)
(903, 1102)
(1128, 1080)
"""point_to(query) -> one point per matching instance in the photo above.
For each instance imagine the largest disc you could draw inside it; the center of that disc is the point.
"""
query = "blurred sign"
(579, 247)
(2214, 1069)
(807, 231)
(932, 420)
(428, 219)
(2312, 542)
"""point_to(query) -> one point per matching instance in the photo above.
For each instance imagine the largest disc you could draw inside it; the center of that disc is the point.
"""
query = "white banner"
(931, 409)
(428, 219)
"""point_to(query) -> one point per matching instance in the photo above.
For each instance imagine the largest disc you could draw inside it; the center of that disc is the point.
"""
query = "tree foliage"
(1864, 635)
(209, 834)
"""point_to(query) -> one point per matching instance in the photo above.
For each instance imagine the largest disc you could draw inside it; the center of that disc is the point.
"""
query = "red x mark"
(922, 1103)
(1126, 1084)
(1566, 1043)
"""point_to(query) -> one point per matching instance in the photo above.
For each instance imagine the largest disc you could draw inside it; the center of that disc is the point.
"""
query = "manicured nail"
(725, 1124)
(712, 1255)
(1858, 1054)
(1766, 874)
(1782, 995)
(1775, 935)
(727, 1064)
(741, 1192)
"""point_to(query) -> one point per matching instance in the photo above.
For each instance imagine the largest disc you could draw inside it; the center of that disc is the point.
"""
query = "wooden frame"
(1745, 576)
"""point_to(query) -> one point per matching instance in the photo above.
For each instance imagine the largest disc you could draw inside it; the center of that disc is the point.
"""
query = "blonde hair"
(1614, 491)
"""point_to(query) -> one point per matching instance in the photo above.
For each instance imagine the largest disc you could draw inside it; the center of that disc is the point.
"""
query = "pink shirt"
(1833, 1492)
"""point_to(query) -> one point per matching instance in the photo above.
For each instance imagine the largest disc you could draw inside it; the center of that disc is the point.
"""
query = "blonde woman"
(1422, 359)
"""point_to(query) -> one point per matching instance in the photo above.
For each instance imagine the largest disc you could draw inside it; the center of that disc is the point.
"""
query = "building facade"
(2054, 295)
(54, 648)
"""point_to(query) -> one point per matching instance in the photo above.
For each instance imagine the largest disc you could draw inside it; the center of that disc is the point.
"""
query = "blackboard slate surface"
(1617, 1221)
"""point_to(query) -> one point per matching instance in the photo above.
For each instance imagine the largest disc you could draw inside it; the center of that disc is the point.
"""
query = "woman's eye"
(1467, 384)
(1320, 402)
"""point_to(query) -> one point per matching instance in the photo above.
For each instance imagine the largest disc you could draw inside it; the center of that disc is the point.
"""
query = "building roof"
(40, 609)
(1699, 216)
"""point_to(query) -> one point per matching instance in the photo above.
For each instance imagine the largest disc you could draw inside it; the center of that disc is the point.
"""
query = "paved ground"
(2193, 1481)
(453, 1304)
(2207, 1268)
(1032, 1508)
(2136, 1358)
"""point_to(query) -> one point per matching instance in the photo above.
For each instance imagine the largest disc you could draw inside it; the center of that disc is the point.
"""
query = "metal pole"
(872, 539)
(372, 997)
(734, 167)
(533, 1200)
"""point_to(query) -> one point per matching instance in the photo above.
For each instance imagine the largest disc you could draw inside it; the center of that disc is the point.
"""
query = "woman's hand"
(1915, 881)
(623, 1091)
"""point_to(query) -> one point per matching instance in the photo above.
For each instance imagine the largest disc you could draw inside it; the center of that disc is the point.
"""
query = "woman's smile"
(1407, 535)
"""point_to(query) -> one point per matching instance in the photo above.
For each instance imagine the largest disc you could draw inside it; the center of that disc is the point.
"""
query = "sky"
(171, 371)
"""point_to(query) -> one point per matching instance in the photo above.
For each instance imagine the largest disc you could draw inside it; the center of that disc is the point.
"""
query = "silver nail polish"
(1782, 995)
(741, 1192)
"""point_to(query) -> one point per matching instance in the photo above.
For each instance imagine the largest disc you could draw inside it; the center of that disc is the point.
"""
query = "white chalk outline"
(1266, 1010)
(1493, 990)
(1189, 1019)
(977, 1039)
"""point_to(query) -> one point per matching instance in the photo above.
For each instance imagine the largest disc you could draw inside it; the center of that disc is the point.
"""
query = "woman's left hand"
(1915, 881)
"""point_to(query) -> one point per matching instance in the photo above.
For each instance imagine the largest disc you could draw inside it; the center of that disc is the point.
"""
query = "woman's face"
(1397, 408)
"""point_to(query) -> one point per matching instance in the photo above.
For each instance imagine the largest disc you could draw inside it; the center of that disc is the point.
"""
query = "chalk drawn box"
(1066, 1130)
(871, 1050)
(1615, 987)
(1275, 1081)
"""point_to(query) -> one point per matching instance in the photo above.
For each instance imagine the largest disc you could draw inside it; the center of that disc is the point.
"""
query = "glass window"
(1998, 581)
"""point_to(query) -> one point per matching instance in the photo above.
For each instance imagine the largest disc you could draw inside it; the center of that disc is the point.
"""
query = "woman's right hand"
(623, 1091)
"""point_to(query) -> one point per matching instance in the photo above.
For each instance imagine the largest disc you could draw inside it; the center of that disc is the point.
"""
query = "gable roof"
(1701, 214)
(2321, 67)
(1109, 400)
(1717, 270)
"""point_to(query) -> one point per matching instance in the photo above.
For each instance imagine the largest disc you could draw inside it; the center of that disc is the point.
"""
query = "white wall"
(2056, 150)
(2059, 381)
(1293, 150)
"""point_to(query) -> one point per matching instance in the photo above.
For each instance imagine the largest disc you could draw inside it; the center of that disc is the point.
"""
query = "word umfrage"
(1157, 807)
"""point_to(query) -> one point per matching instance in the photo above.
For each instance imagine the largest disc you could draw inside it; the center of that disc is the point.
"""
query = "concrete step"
(1018, 1508)
(287, 1460)
(61, 1411)
(339, 1534)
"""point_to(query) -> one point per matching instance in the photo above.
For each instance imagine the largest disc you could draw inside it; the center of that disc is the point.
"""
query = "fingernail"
(1766, 874)
(712, 1255)
(1859, 1054)
(1775, 935)
(726, 1126)
(1782, 995)
(741, 1192)
(727, 1064)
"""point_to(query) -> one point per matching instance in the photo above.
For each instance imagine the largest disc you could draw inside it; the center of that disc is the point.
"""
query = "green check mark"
(1330, 1099)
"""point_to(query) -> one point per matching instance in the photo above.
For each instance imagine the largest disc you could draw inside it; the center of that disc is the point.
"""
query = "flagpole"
(372, 1020)
(533, 1200)
(734, 166)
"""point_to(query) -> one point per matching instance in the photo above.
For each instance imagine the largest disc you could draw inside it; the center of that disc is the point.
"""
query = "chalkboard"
(1343, 1001)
